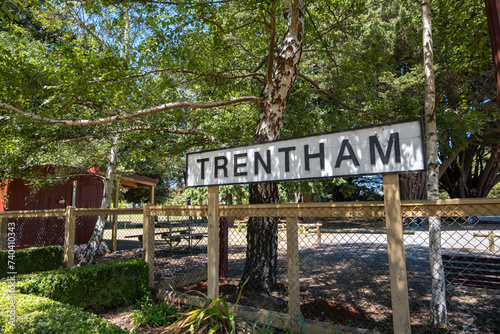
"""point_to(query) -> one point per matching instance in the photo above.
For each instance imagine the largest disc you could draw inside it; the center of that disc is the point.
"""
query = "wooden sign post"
(396, 251)
(384, 149)
(213, 243)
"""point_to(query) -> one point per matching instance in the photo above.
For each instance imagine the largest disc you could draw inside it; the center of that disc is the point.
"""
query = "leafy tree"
(201, 74)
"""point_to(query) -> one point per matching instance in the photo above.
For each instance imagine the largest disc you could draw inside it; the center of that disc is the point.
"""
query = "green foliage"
(153, 314)
(30, 260)
(255, 328)
(94, 288)
(42, 315)
(495, 192)
(362, 64)
(214, 315)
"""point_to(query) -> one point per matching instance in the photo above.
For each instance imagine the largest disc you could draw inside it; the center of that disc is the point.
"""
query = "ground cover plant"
(154, 314)
(36, 314)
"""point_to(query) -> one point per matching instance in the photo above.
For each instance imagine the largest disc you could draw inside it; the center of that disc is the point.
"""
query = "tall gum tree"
(217, 73)
(279, 72)
(439, 316)
(262, 232)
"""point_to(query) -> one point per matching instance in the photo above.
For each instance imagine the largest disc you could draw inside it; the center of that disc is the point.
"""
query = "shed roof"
(136, 181)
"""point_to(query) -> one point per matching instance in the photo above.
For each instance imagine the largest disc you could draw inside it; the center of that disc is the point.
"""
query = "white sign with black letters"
(380, 149)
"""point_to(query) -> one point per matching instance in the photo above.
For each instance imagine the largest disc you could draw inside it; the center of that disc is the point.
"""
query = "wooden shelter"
(80, 189)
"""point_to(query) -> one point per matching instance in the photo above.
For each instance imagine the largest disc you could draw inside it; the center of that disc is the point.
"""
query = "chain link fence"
(122, 234)
(341, 249)
(470, 241)
(34, 229)
(344, 267)
(180, 251)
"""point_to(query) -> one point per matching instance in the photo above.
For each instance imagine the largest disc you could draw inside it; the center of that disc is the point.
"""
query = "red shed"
(88, 190)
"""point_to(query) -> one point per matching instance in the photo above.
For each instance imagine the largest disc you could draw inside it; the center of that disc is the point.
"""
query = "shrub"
(30, 260)
(154, 314)
(42, 315)
(95, 288)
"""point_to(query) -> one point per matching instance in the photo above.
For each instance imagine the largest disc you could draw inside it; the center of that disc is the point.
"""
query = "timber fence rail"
(342, 281)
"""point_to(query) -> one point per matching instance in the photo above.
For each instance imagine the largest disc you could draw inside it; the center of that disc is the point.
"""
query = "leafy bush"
(154, 314)
(30, 260)
(42, 315)
(95, 288)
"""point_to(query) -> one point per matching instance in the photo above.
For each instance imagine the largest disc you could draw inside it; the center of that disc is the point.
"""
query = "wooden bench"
(476, 271)
(176, 233)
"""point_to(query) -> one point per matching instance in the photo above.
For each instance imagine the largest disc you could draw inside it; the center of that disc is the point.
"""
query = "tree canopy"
(160, 78)
(190, 75)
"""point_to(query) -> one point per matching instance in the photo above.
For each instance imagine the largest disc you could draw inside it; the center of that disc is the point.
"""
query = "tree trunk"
(474, 172)
(439, 317)
(107, 198)
(412, 186)
(262, 232)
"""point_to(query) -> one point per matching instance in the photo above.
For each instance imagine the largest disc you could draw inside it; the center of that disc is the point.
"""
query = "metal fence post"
(148, 242)
(69, 237)
(396, 252)
(213, 243)
(292, 249)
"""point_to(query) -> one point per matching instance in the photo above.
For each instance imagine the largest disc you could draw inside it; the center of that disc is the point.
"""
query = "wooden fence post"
(69, 237)
(318, 234)
(4, 222)
(148, 242)
(396, 252)
(213, 243)
(292, 250)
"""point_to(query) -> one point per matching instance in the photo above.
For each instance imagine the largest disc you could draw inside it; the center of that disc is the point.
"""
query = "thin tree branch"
(208, 136)
(328, 94)
(137, 114)
(160, 70)
(84, 27)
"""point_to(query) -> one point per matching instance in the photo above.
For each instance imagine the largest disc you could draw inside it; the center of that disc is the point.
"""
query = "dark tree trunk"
(262, 233)
(412, 186)
(473, 173)
(262, 242)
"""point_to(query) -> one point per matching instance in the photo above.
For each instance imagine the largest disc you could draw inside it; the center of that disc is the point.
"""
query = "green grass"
(39, 315)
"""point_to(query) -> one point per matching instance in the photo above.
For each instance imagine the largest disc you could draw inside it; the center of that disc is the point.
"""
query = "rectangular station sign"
(380, 149)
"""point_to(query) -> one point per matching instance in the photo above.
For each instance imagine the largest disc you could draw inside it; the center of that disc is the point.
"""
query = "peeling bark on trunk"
(107, 198)
(439, 316)
(262, 233)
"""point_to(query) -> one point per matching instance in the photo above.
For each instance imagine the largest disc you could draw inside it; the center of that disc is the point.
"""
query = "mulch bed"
(320, 310)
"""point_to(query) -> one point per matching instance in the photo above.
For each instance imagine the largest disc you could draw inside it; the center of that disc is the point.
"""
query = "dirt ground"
(345, 280)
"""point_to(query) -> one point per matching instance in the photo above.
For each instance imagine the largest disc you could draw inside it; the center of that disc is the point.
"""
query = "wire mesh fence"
(344, 267)
(33, 231)
(122, 233)
(470, 262)
(180, 250)
(128, 226)
(341, 249)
